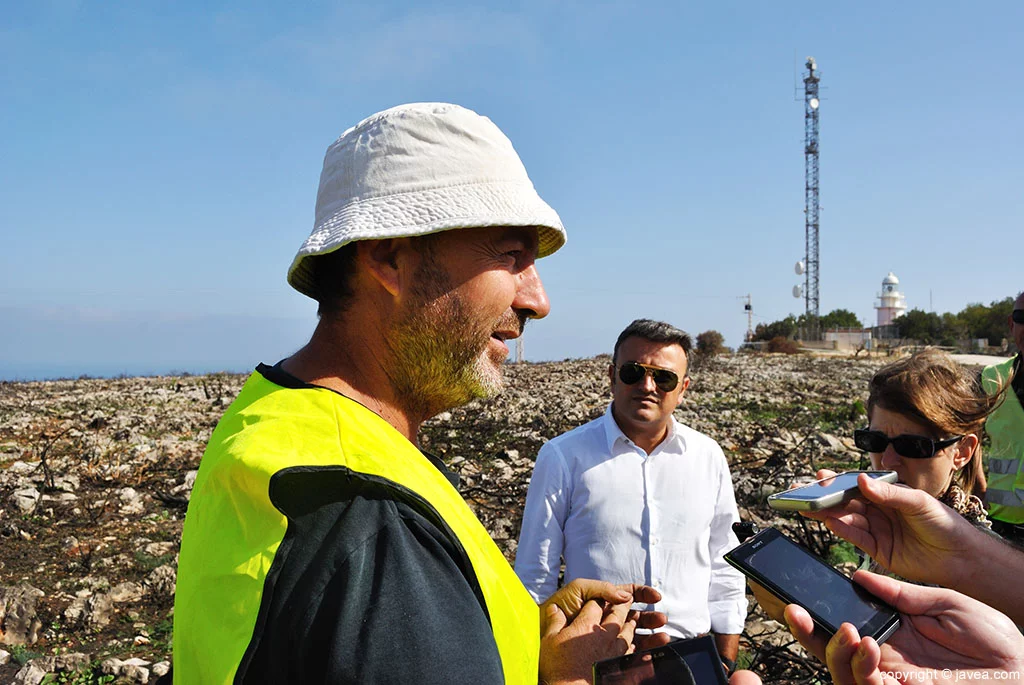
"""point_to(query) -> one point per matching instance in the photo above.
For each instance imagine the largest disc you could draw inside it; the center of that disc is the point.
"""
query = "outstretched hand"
(571, 598)
(907, 531)
(939, 629)
(589, 620)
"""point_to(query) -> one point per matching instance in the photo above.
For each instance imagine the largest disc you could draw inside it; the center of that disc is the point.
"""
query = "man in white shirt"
(637, 495)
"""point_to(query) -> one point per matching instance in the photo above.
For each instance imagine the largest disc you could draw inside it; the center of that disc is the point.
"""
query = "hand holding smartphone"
(824, 493)
(798, 576)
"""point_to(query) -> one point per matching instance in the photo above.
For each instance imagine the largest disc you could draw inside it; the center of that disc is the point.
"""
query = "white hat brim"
(419, 212)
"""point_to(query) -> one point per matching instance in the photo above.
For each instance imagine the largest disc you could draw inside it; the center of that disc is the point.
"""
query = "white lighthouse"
(891, 302)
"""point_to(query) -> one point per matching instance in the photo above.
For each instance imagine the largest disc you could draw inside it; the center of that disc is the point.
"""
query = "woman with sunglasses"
(925, 420)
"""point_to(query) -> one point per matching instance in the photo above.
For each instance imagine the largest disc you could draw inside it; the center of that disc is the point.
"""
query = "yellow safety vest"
(1005, 426)
(232, 530)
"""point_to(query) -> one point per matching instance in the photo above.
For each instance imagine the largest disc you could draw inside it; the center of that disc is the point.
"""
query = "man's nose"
(647, 382)
(530, 295)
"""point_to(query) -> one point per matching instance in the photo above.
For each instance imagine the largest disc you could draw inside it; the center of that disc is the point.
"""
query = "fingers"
(894, 496)
(552, 620)
(772, 605)
(822, 474)
(651, 641)
(626, 635)
(573, 596)
(651, 619)
(853, 507)
(839, 653)
(640, 594)
(854, 529)
(744, 678)
(615, 614)
(915, 600)
(594, 589)
(866, 661)
(802, 627)
(619, 621)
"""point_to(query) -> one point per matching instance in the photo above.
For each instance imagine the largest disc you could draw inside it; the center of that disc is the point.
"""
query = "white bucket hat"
(418, 169)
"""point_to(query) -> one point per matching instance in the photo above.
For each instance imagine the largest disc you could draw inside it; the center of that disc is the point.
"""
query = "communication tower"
(811, 206)
(748, 307)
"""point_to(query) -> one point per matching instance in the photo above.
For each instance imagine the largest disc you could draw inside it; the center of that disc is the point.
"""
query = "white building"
(891, 302)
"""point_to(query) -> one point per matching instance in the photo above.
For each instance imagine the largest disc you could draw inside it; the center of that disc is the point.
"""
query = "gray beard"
(438, 351)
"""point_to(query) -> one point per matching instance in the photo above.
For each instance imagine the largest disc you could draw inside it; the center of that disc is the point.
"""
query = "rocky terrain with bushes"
(95, 477)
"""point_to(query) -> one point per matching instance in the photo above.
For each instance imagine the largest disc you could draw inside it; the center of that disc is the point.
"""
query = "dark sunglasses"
(1018, 315)
(909, 446)
(631, 373)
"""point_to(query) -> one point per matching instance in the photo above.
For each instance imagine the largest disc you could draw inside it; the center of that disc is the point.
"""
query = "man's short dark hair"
(331, 274)
(654, 331)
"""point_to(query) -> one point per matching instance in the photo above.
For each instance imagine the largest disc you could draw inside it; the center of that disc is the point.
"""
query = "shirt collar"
(613, 433)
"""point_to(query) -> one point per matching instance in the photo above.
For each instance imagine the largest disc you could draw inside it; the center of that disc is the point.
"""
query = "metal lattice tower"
(811, 205)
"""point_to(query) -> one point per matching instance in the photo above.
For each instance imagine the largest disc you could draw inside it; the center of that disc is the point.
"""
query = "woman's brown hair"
(934, 391)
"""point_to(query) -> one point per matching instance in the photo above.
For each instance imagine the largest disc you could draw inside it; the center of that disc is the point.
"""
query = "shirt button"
(655, 541)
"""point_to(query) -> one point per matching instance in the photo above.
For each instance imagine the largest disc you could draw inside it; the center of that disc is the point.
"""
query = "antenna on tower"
(748, 307)
(811, 206)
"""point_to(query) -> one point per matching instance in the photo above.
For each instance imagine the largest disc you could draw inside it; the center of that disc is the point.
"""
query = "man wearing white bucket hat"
(320, 544)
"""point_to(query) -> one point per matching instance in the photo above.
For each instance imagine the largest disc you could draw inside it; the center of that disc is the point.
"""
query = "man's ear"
(686, 384)
(611, 374)
(381, 260)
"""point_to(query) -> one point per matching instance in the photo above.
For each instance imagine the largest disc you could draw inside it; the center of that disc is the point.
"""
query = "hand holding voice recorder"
(798, 576)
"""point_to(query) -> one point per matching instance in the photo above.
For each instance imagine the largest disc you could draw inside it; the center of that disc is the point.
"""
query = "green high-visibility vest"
(232, 530)
(1005, 427)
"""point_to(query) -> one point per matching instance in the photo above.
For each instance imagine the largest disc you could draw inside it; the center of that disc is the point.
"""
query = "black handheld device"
(796, 575)
(680, 662)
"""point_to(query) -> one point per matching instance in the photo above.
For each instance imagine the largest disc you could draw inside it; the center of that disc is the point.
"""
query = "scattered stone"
(26, 499)
(162, 580)
(131, 502)
(18, 622)
(30, 674)
(126, 592)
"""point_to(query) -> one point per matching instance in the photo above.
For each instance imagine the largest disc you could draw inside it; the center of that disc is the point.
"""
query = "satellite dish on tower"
(814, 103)
(798, 268)
(797, 291)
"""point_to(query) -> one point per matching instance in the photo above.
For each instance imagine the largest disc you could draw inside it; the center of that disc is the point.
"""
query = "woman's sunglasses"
(909, 446)
(1018, 315)
(631, 373)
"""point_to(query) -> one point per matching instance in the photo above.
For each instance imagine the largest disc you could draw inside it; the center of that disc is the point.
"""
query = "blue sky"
(159, 161)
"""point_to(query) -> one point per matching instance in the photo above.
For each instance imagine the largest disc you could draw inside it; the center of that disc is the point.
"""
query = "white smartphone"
(825, 493)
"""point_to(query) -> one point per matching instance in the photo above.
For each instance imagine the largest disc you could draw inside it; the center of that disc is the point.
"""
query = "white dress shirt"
(618, 514)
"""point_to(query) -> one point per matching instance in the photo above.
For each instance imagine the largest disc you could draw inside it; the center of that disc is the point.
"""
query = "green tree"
(710, 343)
(786, 328)
(997, 327)
(920, 325)
(840, 318)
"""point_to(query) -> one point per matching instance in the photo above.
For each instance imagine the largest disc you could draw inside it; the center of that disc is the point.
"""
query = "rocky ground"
(95, 476)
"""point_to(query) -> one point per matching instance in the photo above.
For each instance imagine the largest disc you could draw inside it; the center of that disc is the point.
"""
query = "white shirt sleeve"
(727, 601)
(539, 553)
